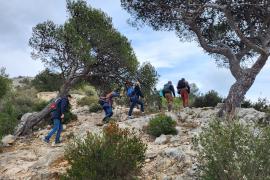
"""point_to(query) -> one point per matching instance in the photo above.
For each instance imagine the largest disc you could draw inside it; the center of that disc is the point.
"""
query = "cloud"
(173, 59)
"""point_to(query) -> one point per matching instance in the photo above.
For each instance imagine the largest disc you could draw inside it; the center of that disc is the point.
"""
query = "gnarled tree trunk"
(25, 127)
(236, 95)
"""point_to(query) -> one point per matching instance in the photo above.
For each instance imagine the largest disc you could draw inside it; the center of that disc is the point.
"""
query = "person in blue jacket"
(107, 102)
(136, 98)
(57, 116)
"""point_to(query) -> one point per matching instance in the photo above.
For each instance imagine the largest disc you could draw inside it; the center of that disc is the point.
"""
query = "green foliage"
(88, 101)
(95, 107)
(210, 99)
(116, 154)
(230, 150)
(161, 124)
(246, 103)
(69, 116)
(8, 120)
(4, 86)
(86, 47)
(259, 105)
(47, 81)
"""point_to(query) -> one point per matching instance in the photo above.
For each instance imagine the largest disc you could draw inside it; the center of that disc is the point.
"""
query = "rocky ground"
(167, 157)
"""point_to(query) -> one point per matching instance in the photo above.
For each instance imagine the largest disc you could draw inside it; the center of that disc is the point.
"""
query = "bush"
(47, 81)
(210, 99)
(8, 120)
(116, 154)
(234, 151)
(69, 116)
(88, 101)
(161, 124)
(4, 86)
(95, 108)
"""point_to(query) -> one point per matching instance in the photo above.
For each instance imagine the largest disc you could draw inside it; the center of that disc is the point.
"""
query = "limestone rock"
(8, 140)
(162, 139)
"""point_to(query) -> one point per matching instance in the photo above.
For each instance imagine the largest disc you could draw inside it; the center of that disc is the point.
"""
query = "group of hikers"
(135, 96)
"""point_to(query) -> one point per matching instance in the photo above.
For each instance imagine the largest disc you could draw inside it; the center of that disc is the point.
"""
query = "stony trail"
(167, 157)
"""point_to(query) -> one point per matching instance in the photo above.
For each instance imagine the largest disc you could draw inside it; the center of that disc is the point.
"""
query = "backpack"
(54, 104)
(130, 91)
(166, 88)
(181, 84)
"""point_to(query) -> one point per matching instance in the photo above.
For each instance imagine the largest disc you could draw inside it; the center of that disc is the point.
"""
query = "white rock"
(162, 139)
(7, 140)
(174, 152)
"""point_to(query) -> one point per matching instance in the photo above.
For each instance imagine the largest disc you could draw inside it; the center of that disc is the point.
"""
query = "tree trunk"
(236, 95)
(25, 127)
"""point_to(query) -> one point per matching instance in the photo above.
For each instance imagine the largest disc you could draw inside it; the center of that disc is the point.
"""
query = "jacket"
(62, 107)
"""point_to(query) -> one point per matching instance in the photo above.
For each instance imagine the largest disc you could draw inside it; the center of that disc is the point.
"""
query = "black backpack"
(166, 88)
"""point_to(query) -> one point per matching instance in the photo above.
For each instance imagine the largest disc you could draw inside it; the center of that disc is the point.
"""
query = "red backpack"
(54, 104)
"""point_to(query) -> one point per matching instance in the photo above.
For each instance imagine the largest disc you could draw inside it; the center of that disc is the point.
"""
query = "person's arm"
(64, 106)
(172, 89)
(140, 92)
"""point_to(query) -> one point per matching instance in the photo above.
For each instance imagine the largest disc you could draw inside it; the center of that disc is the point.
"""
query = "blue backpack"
(130, 92)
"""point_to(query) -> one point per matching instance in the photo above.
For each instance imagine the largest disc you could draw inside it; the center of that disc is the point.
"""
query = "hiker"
(57, 115)
(135, 96)
(183, 89)
(158, 99)
(106, 103)
(168, 91)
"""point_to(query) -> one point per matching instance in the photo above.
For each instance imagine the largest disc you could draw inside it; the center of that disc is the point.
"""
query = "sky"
(172, 59)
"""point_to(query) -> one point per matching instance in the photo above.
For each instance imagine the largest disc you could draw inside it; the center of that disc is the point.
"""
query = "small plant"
(234, 151)
(95, 108)
(116, 154)
(161, 124)
(210, 99)
(88, 101)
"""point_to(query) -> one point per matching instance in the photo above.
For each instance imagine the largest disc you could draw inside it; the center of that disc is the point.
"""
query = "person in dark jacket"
(169, 93)
(107, 102)
(136, 99)
(183, 89)
(57, 116)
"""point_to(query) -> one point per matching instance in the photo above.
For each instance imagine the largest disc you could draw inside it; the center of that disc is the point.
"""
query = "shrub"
(4, 86)
(8, 120)
(88, 101)
(95, 108)
(161, 124)
(47, 81)
(210, 99)
(116, 154)
(234, 151)
(69, 116)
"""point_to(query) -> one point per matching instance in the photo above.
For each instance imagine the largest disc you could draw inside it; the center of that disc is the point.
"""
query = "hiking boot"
(56, 144)
(130, 117)
(143, 113)
(45, 140)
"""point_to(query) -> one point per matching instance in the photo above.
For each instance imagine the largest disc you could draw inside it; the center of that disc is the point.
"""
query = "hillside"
(167, 157)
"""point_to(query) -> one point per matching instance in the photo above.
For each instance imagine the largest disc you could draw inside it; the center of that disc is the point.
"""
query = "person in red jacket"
(183, 89)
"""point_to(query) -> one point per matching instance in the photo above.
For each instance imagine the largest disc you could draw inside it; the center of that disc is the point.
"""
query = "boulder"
(162, 139)
(8, 140)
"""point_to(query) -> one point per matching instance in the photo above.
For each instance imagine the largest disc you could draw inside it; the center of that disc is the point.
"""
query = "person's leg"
(183, 96)
(133, 104)
(186, 98)
(169, 101)
(141, 104)
(55, 128)
(60, 129)
(107, 113)
(110, 112)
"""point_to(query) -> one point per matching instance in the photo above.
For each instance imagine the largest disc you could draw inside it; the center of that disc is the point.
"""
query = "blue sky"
(173, 59)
